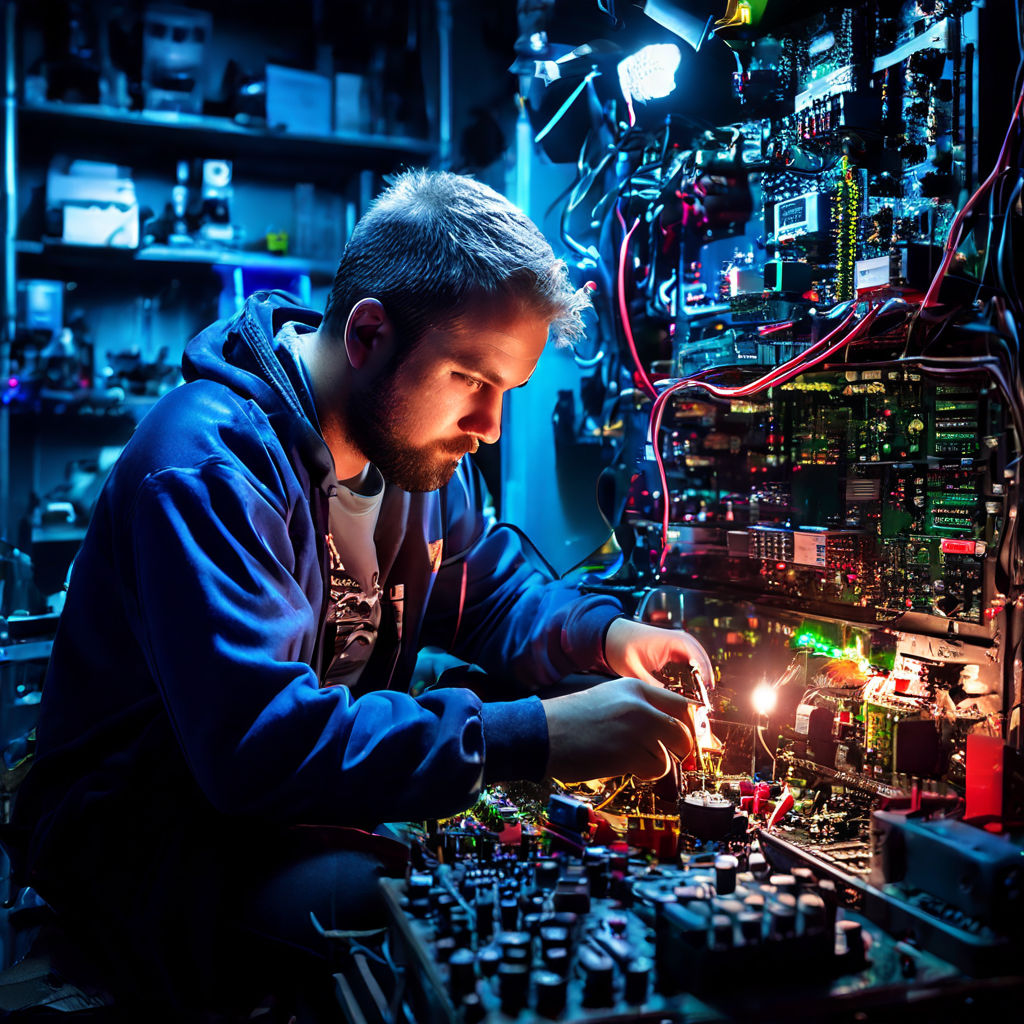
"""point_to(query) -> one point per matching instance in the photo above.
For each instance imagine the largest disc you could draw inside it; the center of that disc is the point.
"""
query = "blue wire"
(560, 113)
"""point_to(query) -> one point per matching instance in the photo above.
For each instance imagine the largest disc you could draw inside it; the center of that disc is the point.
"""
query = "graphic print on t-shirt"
(355, 612)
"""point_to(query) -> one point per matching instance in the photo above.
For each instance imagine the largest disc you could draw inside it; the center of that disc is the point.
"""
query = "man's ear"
(367, 328)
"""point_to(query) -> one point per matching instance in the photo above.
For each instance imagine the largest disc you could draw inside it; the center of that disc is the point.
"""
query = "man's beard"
(373, 421)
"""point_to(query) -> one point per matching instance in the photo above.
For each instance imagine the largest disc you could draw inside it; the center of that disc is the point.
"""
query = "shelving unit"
(267, 162)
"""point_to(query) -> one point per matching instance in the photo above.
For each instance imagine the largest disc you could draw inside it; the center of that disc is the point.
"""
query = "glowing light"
(763, 698)
(650, 73)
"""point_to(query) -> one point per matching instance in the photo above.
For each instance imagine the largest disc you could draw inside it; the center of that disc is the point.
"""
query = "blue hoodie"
(187, 669)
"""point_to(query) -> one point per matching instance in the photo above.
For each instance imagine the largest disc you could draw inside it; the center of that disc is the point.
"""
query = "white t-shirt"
(355, 590)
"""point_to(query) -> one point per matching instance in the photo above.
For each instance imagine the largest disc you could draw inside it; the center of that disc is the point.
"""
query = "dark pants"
(222, 920)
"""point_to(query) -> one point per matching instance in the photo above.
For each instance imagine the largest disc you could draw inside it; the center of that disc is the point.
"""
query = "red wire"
(623, 311)
(787, 371)
(954, 237)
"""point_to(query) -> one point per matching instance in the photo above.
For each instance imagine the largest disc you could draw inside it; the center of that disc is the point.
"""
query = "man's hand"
(621, 727)
(638, 650)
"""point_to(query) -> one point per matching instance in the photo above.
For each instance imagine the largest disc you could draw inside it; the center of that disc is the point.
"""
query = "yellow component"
(737, 12)
(277, 242)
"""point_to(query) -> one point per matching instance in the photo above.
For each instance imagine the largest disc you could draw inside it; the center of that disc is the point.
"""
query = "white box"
(351, 104)
(298, 100)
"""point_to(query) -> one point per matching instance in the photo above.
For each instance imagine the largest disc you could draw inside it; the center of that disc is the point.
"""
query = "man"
(277, 542)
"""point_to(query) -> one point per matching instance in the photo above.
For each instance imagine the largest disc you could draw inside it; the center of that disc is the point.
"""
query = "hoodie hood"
(243, 353)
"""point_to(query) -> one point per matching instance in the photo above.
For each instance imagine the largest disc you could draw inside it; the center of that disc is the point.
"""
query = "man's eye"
(470, 382)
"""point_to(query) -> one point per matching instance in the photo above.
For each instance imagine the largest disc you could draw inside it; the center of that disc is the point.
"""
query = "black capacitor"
(811, 908)
(638, 979)
(444, 947)
(549, 989)
(751, 923)
(782, 916)
(546, 874)
(461, 973)
(783, 883)
(721, 931)
(513, 987)
(484, 907)
(598, 977)
(757, 865)
(489, 959)
(595, 864)
(850, 942)
(552, 936)
(462, 931)
(726, 869)
(515, 946)
(508, 910)
(472, 1009)
(557, 959)
(804, 877)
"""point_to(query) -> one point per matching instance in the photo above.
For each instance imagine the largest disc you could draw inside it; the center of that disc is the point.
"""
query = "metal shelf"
(203, 135)
(62, 253)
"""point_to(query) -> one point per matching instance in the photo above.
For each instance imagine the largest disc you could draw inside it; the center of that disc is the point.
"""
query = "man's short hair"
(435, 243)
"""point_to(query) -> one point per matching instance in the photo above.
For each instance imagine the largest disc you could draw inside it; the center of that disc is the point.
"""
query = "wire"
(788, 370)
(624, 310)
(954, 237)
(562, 110)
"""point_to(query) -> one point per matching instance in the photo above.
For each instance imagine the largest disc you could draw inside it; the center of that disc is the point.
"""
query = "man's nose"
(484, 421)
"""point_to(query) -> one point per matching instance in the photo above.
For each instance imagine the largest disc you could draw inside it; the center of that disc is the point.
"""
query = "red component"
(952, 546)
(782, 806)
(986, 771)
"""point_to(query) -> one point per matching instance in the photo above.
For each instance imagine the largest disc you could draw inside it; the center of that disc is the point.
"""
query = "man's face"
(416, 418)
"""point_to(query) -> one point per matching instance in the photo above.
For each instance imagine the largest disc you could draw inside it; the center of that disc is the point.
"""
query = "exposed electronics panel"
(806, 379)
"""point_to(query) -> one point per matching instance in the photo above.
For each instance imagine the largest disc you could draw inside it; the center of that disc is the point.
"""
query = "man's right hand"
(621, 727)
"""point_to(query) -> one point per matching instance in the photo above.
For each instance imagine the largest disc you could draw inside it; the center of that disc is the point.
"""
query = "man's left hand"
(637, 650)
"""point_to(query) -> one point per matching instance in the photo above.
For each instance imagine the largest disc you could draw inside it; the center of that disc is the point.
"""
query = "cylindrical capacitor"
(513, 987)
(751, 924)
(850, 943)
(804, 877)
(783, 883)
(515, 947)
(489, 959)
(472, 1009)
(461, 973)
(782, 916)
(444, 947)
(484, 907)
(551, 935)
(757, 865)
(557, 959)
(726, 868)
(549, 989)
(598, 976)
(721, 931)
(638, 980)
(811, 909)
(546, 874)
(508, 910)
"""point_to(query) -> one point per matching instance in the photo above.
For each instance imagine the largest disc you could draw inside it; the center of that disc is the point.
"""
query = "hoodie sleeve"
(226, 629)
(495, 605)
